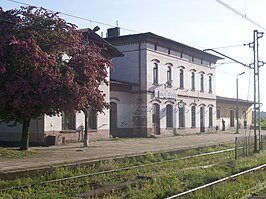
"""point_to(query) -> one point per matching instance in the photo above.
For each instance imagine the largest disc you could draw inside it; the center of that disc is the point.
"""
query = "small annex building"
(67, 127)
(227, 111)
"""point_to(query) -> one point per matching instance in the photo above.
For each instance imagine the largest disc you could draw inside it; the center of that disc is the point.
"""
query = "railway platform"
(75, 153)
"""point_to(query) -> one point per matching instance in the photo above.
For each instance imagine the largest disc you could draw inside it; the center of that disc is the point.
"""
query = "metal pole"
(237, 103)
(86, 136)
(237, 115)
(255, 98)
(236, 148)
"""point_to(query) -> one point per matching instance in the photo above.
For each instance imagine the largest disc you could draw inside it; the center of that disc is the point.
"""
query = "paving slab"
(100, 150)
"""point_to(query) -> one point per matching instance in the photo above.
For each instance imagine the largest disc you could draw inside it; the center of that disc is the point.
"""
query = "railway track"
(114, 181)
(218, 181)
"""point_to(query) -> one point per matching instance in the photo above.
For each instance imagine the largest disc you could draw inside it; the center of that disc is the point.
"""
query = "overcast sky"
(198, 23)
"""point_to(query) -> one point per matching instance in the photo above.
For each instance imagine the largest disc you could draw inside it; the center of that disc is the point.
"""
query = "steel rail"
(118, 169)
(217, 181)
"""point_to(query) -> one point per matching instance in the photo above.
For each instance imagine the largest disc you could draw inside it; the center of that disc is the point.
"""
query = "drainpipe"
(139, 95)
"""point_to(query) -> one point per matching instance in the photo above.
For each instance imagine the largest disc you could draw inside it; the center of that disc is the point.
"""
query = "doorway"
(156, 119)
(202, 119)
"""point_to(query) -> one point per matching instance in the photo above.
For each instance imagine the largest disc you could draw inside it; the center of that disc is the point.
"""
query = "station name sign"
(165, 94)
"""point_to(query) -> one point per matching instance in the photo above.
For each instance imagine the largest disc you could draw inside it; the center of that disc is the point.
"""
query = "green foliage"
(154, 181)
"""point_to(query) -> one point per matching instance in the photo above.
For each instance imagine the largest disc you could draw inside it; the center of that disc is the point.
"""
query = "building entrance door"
(156, 119)
(202, 119)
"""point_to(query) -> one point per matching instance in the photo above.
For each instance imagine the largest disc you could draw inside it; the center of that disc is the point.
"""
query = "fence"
(245, 146)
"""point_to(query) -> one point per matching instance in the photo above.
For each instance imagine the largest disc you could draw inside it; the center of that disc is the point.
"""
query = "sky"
(202, 24)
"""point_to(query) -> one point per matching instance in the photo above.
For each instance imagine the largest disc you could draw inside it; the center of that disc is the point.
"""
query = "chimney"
(113, 32)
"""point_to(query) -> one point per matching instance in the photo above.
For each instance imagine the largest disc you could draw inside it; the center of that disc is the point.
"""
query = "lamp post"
(86, 136)
(237, 114)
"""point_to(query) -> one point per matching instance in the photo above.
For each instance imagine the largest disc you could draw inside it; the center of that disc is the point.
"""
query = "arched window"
(210, 117)
(113, 115)
(210, 84)
(192, 81)
(169, 116)
(201, 82)
(181, 78)
(181, 111)
(193, 116)
(155, 73)
(169, 74)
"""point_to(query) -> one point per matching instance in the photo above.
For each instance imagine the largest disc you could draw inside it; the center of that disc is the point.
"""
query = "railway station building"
(160, 87)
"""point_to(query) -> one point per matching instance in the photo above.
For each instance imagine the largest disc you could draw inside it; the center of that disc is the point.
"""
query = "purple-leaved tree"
(46, 67)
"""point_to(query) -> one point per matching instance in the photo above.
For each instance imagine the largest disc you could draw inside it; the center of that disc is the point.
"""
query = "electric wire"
(232, 46)
(74, 16)
(240, 14)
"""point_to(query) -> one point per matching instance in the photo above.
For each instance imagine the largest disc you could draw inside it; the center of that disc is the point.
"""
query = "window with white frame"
(169, 116)
(192, 80)
(202, 82)
(92, 119)
(193, 116)
(181, 78)
(210, 117)
(210, 84)
(155, 73)
(181, 111)
(69, 120)
(169, 76)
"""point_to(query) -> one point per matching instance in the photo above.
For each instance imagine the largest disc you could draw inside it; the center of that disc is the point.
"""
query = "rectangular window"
(201, 83)
(210, 117)
(155, 73)
(210, 84)
(192, 81)
(169, 116)
(193, 116)
(69, 121)
(181, 78)
(218, 114)
(92, 119)
(232, 118)
(169, 76)
(182, 117)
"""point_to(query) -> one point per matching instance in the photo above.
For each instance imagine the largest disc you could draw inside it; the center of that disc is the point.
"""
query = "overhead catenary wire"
(75, 16)
(240, 14)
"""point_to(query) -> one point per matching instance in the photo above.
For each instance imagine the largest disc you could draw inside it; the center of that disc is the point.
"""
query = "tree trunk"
(25, 136)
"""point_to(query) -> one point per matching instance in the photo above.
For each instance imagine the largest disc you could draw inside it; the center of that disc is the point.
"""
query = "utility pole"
(86, 112)
(237, 103)
(256, 65)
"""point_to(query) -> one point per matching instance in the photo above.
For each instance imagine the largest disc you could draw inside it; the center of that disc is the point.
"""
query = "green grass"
(160, 180)
(15, 153)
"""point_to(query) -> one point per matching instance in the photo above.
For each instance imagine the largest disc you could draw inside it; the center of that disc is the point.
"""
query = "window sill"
(92, 130)
(68, 131)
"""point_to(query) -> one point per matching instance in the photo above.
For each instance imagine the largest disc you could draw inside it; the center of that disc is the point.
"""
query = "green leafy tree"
(46, 67)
